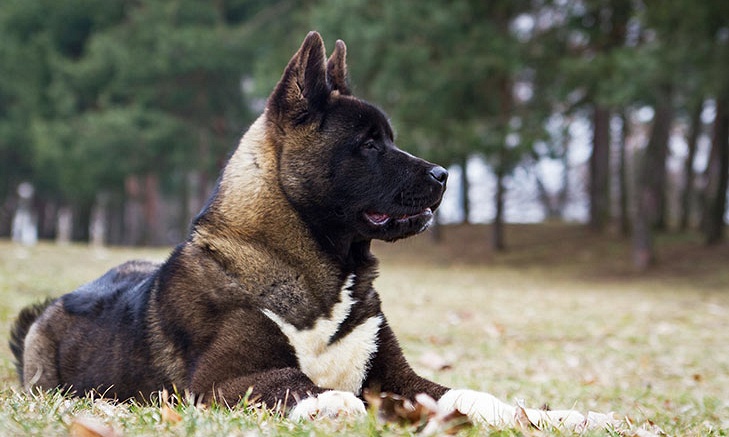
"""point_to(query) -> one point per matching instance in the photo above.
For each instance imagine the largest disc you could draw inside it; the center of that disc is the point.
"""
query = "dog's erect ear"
(337, 69)
(303, 90)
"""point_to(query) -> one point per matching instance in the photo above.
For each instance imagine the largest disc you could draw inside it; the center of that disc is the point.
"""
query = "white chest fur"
(343, 364)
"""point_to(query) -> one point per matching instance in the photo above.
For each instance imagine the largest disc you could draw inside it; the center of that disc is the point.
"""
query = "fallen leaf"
(437, 340)
(169, 415)
(642, 432)
(394, 408)
(422, 413)
(453, 422)
(522, 420)
(494, 330)
(90, 427)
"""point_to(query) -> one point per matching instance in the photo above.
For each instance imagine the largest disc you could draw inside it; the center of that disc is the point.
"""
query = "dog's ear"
(337, 69)
(302, 91)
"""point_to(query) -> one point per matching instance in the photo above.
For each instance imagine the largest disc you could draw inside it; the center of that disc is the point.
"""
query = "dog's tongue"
(377, 218)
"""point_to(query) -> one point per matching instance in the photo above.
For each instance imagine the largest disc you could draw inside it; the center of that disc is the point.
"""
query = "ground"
(560, 319)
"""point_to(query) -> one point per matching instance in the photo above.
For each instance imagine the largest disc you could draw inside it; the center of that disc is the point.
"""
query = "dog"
(271, 296)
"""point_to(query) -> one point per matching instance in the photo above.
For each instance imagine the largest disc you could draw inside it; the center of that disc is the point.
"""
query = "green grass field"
(560, 319)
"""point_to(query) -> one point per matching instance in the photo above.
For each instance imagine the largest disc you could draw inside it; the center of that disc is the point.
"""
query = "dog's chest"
(343, 364)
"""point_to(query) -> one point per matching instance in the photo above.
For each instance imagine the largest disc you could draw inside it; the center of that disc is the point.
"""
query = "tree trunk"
(551, 205)
(623, 177)
(7, 211)
(564, 192)
(718, 175)
(600, 169)
(133, 223)
(153, 232)
(115, 220)
(47, 212)
(503, 163)
(465, 186)
(688, 167)
(660, 136)
(643, 253)
(651, 185)
(203, 175)
(498, 243)
(81, 220)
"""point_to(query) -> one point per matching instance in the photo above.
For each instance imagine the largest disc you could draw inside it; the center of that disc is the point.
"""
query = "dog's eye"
(369, 145)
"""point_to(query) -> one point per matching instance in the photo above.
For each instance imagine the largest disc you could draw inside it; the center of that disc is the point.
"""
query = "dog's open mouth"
(381, 219)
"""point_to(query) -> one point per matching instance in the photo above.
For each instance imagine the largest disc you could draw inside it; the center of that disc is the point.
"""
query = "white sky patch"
(644, 114)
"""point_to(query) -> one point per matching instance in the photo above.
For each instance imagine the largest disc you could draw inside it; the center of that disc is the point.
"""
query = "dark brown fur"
(312, 182)
(20, 328)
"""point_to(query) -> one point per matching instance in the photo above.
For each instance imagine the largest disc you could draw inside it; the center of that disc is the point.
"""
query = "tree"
(717, 35)
(116, 90)
(36, 37)
(651, 184)
(132, 105)
(623, 183)
(692, 138)
(684, 53)
(179, 65)
(718, 175)
(594, 34)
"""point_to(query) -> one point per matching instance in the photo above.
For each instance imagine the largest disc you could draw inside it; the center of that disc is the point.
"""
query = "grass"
(560, 319)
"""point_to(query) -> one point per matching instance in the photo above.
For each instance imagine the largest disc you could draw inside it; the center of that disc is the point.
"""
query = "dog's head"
(338, 163)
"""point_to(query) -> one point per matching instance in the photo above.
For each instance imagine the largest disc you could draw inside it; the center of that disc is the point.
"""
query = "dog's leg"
(287, 389)
(276, 388)
(390, 371)
(487, 409)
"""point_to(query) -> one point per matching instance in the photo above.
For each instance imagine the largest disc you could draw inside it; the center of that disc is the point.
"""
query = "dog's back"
(44, 336)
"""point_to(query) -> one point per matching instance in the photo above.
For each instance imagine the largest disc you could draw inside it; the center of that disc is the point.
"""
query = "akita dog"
(272, 293)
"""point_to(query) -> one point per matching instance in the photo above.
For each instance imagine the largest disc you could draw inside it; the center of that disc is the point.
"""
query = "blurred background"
(117, 115)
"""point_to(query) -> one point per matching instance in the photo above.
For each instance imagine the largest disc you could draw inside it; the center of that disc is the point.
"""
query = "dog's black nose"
(439, 174)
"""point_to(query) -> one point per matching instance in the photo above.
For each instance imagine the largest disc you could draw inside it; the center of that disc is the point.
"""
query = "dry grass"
(560, 319)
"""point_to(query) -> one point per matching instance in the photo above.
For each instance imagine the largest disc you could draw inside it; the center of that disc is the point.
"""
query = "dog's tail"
(20, 329)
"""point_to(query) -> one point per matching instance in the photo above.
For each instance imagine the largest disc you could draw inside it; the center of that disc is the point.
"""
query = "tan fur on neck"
(250, 208)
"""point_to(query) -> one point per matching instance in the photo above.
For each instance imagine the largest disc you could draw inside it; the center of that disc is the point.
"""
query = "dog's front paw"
(478, 406)
(331, 404)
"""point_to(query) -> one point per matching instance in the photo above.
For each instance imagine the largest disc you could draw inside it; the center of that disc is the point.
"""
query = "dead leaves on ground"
(94, 423)
(89, 426)
(167, 412)
(421, 416)
(422, 413)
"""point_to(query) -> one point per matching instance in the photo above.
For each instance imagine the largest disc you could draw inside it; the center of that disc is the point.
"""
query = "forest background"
(116, 116)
